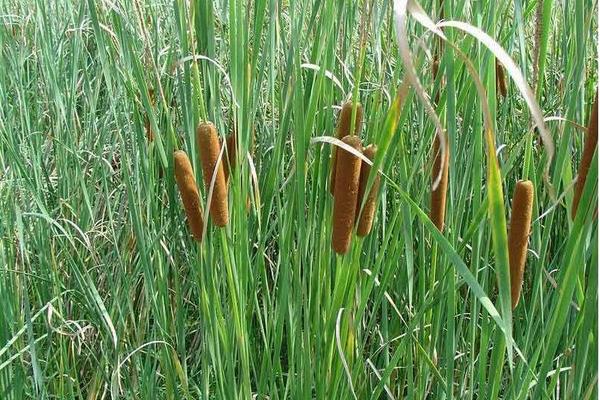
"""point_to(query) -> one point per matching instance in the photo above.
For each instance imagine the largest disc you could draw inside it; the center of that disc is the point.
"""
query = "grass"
(105, 294)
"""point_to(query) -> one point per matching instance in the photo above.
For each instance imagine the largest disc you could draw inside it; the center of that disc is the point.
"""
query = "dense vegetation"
(105, 294)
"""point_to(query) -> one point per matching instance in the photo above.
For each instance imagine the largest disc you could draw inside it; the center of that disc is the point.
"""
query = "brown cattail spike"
(231, 160)
(435, 66)
(345, 195)
(343, 130)
(591, 142)
(500, 79)
(365, 219)
(209, 147)
(520, 224)
(184, 175)
(147, 125)
(438, 196)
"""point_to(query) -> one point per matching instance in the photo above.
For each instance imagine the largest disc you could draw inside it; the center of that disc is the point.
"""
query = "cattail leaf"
(497, 217)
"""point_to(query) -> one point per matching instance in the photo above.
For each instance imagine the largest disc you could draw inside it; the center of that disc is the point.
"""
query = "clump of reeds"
(343, 130)
(500, 80)
(365, 219)
(186, 182)
(209, 148)
(438, 196)
(520, 225)
(591, 142)
(345, 195)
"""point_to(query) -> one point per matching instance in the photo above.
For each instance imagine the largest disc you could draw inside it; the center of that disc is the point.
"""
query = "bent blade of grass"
(400, 8)
(501, 54)
(328, 74)
(515, 73)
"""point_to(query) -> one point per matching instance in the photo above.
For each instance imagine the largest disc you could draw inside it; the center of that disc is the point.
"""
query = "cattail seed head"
(231, 157)
(209, 147)
(438, 196)
(365, 219)
(520, 225)
(343, 130)
(149, 130)
(186, 182)
(345, 195)
(591, 142)
(147, 125)
(500, 79)
(435, 67)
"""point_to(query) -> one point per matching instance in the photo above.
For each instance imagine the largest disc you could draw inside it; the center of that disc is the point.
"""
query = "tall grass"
(105, 294)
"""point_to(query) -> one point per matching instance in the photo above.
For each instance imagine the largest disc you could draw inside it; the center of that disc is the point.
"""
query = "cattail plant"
(500, 79)
(343, 130)
(438, 196)
(365, 219)
(520, 224)
(591, 142)
(186, 182)
(346, 194)
(209, 147)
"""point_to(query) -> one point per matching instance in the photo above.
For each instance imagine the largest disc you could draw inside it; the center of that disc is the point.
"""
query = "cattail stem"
(438, 196)
(365, 219)
(345, 195)
(186, 182)
(591, 142)
(209, 147)
(343, 130)
(520, 225)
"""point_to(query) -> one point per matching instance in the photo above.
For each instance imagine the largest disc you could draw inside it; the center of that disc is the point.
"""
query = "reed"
(438, 196)
(520, 225)
(186, 182)
(343, 130)
(591, 142)
(209, 148)
(345, 195)
(365, 219)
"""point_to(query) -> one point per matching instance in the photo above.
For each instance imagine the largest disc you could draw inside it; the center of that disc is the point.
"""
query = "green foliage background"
(103, 293)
